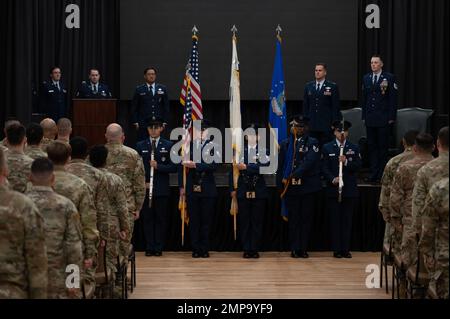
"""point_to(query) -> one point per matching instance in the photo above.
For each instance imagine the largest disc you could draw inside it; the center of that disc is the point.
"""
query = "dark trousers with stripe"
(201, 210)
(154, 220)
(250, 217)
(341, 222)
(300, 217)
(378, 144)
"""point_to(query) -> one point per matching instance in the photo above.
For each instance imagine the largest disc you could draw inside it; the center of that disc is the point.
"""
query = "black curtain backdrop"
(34, 38)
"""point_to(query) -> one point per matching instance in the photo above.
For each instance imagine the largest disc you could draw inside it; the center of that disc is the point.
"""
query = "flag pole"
(234, 204)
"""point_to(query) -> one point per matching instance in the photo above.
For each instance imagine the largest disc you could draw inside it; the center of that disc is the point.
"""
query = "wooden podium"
(91, 117)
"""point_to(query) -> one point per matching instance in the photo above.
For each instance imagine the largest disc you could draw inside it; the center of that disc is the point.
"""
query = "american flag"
(191, 86)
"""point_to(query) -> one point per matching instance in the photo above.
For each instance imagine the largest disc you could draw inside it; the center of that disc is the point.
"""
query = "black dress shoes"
(303, 254)
(337, 255)
(255, 254)
(346, 254)
(205, 255)
(247, 255)
(196, 254)
(295, 254)
(158, 253)
(149, 253)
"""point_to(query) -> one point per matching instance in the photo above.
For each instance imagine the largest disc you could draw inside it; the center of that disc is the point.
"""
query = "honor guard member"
(299, 179)
(341, 200)
(201, 192)
(251, 194)
(93, 89)
(379, 112)
(321, 104)
(150, 100)
(53, 96)
(155, 153)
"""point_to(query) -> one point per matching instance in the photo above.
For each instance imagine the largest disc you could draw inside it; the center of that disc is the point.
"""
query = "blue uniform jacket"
(53, 102)
(323, 107)
(306, 166)
(86, 91)
(203, 174)
(250, 180)
(379, 105)
(161, 185)
(146, 105)
(330, 168)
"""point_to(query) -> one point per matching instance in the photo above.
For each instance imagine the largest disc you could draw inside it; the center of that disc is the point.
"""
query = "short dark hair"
(377, 56)
(443, 136)
(425, 141)
(93, 69)
(11, 121)
(79, 147)
(98, 155)
(42, 165)
(15, 134)
(410, 137)
(53, 68)
(35, 133)
(59, 152)
(148, 69)
(322, 64)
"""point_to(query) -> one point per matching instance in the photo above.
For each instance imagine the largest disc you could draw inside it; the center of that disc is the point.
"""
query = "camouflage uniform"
(126, 163)
(34, 152)
(3, 143)
(79, 192)
(401, 208)
(19, 170)
(434, 238)
(44, 143)
(23, 256)
(428, 175)
(63, 234)
(3, 148)
(118, 219)
(97, 183)
(386, 182)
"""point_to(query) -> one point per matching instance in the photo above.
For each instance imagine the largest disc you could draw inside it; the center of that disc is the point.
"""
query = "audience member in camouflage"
(428, 175)
(23, 256)
(388, 176)
(78, 191)
(50, 131)
(118, 226)
(4, 143)
(19, 164)
(64, 130)
(62, 229)
(434, 238)
(35, 134)
(93, 177)
(401, 199)
(126, 163)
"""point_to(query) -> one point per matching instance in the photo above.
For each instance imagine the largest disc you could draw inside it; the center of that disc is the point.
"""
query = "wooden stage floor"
(225, 275)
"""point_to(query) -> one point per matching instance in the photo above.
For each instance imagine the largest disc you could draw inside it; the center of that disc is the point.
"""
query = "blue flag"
(277, 107)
